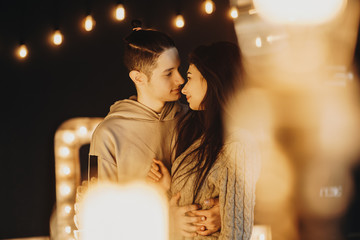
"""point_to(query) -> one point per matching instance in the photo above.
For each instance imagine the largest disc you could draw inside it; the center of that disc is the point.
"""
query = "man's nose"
(179, 79)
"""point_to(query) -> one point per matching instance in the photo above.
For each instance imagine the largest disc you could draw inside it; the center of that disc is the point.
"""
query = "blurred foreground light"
(67, 209)
(209, 6)
(120, 12)
(299, 11)
(258, 42)
(133, 211)
(89, 23)
(261, 232)
(22, 51)
(179, 21)
(234, 13)
(65, 170)
(57, 38)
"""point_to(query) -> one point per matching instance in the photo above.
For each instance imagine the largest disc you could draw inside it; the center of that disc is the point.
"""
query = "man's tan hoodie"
(130, 136)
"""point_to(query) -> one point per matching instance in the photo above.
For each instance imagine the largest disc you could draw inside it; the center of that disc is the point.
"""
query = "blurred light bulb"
(57, 37)
(89, 23)
(179, 21)
(68, 229)
(64, 151)
(22, 51)
(82, 131)
(65, 189)
(234, 12)
(209, 6)
(66, 170)
(258, 42)
(68, 137)
(299, 11)
(67, 209)
(120, 12)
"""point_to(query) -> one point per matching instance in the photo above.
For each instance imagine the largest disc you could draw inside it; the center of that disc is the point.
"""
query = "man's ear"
(137, 77)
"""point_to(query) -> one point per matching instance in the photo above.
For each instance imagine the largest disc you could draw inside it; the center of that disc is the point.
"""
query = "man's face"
(164, 84)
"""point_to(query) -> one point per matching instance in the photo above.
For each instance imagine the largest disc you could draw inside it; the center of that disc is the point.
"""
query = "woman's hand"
(159, 174)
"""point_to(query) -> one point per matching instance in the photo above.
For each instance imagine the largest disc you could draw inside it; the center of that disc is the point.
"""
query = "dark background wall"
(81, 78)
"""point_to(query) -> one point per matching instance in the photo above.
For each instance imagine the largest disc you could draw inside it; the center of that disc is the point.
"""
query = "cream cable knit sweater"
(232, 179)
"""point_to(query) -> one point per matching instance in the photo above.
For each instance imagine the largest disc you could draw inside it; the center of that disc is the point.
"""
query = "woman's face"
(195, 88)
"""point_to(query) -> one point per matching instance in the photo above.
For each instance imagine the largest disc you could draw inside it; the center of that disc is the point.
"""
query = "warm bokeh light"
(209, 6)
(302, 72)
(120, 12)
(22, 51)
(258, 42)
(112, 211)
(68, 229)
(67, 209)
(57, 37)
(234, 13)
(65, 189)
(64, 151)
(68, 137)
(89, 23)
(179, 21)
(299, 11)
(82, 131)
(65, 170)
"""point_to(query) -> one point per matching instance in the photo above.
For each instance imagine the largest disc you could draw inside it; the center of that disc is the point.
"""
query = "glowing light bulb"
(89, 23)
(179, 21)
(82, 131)
(66, 170)
(68, 229)
(120, 12)
(234, 12)
(258, 42)
(57, 37)
(64, 151)
(299, 11)
(65, 189)
(67, 209)
(22, 51)
(209, 6)
(68, 137)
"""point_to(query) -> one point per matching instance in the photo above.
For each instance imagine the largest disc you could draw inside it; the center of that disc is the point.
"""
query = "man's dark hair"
(143, 47)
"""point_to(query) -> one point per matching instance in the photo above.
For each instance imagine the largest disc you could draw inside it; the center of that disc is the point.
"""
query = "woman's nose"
(184, 90)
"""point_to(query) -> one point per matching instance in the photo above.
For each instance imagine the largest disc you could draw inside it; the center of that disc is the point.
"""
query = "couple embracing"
(209, 174)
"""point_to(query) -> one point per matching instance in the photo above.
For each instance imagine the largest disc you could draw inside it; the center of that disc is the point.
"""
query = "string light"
(209, 6)
(22, 51)
(89, 23)
(57, 38)
(179, 21)
(120, 12)
(234, 12)
(65, 189)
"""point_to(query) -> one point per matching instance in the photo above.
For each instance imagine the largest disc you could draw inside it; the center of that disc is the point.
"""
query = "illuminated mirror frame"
(69, 137)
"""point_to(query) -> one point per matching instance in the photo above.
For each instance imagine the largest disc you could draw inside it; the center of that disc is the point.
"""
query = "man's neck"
(157, 106)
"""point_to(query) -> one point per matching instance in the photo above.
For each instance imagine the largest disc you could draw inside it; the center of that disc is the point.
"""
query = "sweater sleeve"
(237, 190)
(102, 148)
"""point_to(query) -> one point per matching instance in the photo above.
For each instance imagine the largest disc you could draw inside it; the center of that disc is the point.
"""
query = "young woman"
(210, 162)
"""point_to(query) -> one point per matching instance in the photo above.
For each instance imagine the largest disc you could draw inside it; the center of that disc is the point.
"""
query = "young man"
(136, 130)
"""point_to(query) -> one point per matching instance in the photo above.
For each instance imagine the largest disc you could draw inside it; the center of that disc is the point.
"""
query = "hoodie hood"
(132, 109)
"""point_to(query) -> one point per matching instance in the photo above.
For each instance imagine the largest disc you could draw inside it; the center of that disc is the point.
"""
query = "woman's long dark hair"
(220, 65)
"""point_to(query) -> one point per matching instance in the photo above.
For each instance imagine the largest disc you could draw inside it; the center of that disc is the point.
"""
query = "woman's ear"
(138, 77)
